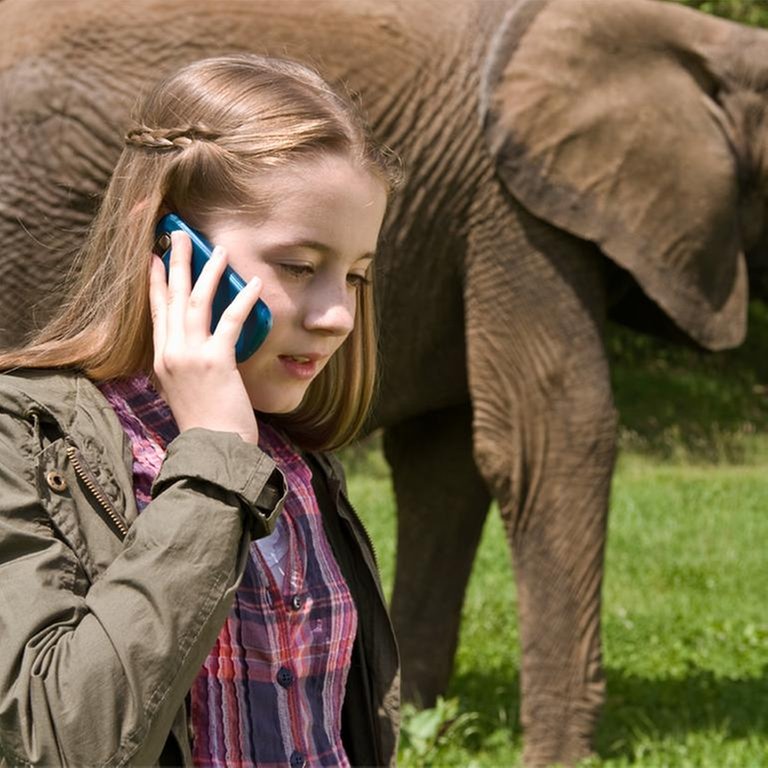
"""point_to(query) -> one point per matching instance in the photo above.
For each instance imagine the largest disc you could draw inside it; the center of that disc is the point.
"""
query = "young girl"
(182, 579)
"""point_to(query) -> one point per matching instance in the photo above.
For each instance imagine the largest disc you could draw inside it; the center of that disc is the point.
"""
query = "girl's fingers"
(158, 301)
(198, 324)
(233, 317)
(181, 312)
(179, 283)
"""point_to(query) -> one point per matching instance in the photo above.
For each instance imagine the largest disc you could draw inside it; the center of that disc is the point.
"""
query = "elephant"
(564, 161)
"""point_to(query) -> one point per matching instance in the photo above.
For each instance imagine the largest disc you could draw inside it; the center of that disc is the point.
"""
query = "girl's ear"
(604, 120)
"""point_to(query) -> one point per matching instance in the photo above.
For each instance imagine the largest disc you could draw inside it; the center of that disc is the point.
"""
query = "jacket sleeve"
(95, 677)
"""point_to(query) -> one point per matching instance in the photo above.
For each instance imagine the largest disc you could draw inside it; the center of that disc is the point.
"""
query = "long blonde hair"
(199, 140)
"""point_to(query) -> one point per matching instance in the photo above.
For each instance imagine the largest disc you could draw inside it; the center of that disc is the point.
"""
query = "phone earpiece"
(162, 244)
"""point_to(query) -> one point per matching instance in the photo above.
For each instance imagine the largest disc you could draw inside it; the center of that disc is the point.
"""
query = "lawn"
(685, 627)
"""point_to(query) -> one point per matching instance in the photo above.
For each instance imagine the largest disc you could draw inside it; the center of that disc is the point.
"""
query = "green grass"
(754, 12)
(686, 634)
(687, 406)
(685, 627)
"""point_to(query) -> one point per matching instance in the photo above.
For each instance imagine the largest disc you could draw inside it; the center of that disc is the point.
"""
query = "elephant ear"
(603, 120)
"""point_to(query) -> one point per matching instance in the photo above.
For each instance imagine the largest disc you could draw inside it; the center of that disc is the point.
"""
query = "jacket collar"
(65, 397)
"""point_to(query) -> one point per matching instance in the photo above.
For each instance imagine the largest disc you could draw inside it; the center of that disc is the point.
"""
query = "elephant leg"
(442, 503)
(545, 427)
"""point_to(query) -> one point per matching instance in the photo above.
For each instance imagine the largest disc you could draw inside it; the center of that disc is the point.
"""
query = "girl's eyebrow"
(315, 245)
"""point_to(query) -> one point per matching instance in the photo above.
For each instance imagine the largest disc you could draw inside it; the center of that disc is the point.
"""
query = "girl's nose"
(332, 312)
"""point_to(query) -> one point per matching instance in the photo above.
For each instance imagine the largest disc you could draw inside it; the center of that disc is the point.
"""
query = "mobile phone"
(259, 320)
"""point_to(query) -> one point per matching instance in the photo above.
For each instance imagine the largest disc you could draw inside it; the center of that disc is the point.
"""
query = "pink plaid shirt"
(271, 690)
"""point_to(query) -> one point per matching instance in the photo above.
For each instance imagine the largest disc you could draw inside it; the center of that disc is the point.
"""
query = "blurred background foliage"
(754, 12)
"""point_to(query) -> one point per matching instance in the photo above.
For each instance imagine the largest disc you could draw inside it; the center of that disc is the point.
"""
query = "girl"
(183, 580)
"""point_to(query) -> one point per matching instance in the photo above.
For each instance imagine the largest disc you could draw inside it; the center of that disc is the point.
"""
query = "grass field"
(685, 626)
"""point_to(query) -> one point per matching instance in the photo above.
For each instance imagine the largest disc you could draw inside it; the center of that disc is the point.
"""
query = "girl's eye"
(358, 281)
(297, 270)
(301, 271)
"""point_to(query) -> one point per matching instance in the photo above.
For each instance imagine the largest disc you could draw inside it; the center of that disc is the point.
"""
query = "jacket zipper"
(357, 527)
(88, 481)
(327, 467)
(376, 580)
(361, 524)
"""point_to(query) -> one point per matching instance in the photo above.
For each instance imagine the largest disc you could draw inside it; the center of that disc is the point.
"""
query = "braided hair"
(168, 138)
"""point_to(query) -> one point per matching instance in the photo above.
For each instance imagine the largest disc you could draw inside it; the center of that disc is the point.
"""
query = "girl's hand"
(195, 370)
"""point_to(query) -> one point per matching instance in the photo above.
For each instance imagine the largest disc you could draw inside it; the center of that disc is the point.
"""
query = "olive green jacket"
(106, 616)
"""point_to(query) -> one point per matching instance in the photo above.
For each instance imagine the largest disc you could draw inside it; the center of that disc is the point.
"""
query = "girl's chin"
(278, 405)
(279, 411)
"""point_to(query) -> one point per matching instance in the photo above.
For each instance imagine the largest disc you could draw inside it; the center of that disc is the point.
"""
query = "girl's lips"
(304, 369)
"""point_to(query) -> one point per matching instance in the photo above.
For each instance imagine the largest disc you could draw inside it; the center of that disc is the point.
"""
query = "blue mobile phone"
(259, 321)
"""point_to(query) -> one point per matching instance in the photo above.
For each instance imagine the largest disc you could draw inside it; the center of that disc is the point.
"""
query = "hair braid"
(168, 138)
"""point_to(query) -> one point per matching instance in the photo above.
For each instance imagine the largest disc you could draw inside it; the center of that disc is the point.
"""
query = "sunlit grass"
(684, 618)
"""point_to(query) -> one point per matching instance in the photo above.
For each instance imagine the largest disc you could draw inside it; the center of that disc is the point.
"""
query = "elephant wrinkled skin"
(556, 153)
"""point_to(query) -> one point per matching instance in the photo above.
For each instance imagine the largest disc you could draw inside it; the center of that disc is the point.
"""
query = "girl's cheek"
(275, 301)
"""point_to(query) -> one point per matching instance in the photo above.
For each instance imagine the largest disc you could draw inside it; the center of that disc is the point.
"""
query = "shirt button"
(56, 481)
(298, 760)
(285, 677)
(296, 602)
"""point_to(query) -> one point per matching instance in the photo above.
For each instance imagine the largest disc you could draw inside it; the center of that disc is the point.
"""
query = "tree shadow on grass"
(637, 708)
(679, 401)
(493, 695)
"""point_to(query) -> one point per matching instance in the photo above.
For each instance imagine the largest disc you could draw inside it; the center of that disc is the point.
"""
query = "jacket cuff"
(223, 459)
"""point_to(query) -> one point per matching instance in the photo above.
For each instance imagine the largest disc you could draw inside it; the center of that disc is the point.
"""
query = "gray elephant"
(563, 158)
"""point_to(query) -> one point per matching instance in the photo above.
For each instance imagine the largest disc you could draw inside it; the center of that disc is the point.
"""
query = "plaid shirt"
(271, 690)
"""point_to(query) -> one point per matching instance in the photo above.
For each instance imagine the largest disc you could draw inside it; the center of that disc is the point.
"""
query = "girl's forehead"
(316, 174)
(313, 189)
(341, 210)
